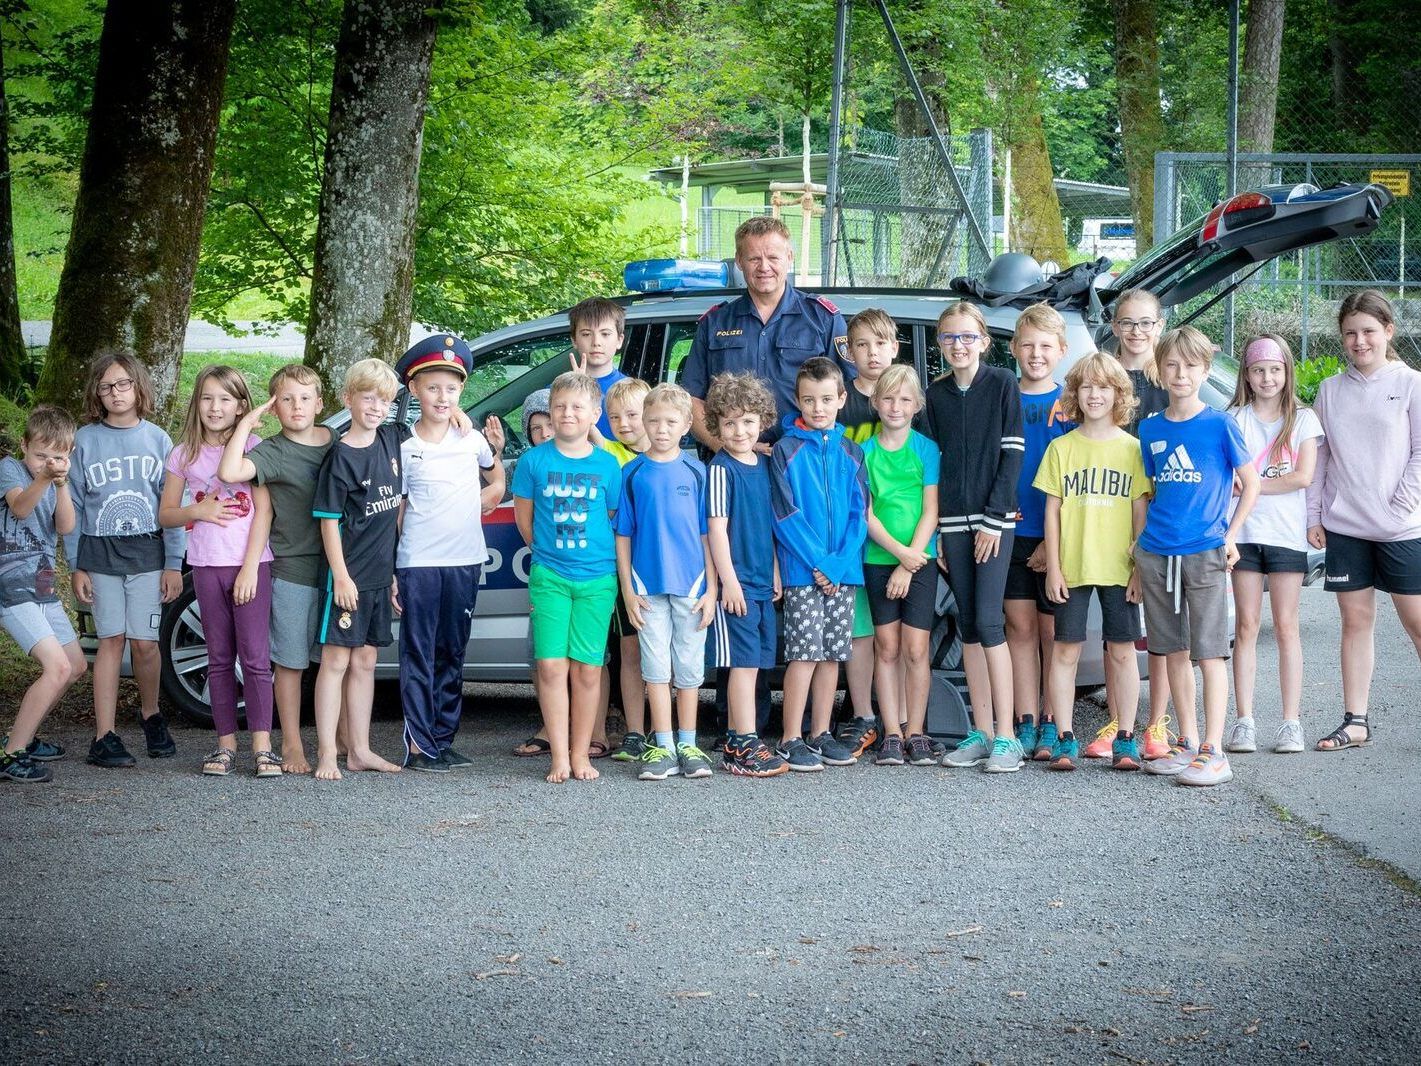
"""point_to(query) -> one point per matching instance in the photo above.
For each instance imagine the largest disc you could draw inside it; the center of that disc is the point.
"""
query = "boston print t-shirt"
(361, 487)
(1192, 463)
(573, 501)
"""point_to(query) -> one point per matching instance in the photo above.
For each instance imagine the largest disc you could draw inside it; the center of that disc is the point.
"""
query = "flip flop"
(598, 750)
(538, 744)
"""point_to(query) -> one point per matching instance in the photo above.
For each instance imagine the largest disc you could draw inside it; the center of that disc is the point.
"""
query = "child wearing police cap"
(451, 478)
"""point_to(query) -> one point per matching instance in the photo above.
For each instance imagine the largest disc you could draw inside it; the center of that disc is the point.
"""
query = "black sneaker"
(455, 760)
(858, 735)
(832, 751)
(751, 757)
(424, 764)
(39, 750)
(920, 751)
(108, 751)
(21, 767)
(890, 752)
(160, 741)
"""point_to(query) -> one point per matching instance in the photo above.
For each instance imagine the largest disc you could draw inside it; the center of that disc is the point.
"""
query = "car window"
(678, 345)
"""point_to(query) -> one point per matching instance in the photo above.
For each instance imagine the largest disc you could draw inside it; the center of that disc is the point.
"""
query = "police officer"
(770, 331)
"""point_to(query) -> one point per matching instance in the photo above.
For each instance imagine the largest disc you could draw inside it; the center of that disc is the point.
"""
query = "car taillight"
(1242, 210)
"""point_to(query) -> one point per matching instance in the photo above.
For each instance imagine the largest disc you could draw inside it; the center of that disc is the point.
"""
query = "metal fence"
(1297, 295)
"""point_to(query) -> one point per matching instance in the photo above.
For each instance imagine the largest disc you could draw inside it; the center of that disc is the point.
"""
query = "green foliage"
(1311, 373)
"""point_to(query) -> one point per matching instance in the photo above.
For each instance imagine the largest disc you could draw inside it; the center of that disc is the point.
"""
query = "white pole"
(806, 201)
(685, 202)
(1006, 203)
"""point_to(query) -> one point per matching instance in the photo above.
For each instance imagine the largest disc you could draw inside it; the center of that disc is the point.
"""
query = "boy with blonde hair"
(357, 502)
(285, 467)
(565, 494)
(668, 580)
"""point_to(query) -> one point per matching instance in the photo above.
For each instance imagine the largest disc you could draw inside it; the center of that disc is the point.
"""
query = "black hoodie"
(980, 436)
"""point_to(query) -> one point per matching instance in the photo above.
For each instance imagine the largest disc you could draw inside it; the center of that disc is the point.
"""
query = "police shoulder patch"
(827, 304)
(712, 309)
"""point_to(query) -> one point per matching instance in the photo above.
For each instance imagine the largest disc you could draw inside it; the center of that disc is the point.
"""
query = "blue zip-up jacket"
(820, 494)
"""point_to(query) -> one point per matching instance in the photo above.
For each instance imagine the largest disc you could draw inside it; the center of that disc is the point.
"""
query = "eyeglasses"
(121, 385)
(950, 339)
(1131, 325)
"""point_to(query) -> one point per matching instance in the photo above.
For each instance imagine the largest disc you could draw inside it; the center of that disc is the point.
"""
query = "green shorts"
(570, 618)
(863, 617)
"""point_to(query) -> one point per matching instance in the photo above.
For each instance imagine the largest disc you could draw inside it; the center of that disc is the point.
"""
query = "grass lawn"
(41, 208)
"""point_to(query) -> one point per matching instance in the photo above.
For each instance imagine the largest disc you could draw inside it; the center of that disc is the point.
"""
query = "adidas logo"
(1179, 469)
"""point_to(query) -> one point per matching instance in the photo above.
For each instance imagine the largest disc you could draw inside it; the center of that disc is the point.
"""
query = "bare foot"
(326, 768)
(559, 773)
(582, 770)
(293, 760)
(370, 761)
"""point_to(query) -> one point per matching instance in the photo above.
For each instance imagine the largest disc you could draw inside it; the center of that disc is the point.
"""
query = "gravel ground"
(865, 914)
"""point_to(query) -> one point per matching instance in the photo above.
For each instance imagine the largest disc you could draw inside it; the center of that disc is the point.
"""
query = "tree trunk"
(12, 342)
(1037, 228)
(362, 285)
(1137, 78)
(1258, 91)
(143, 182)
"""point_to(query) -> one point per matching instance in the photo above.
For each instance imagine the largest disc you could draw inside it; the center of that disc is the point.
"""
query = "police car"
(669, 298)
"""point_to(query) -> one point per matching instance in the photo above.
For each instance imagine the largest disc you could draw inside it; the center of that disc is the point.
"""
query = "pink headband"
(1263, 350)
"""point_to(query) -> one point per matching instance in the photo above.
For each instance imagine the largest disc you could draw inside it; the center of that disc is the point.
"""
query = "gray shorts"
(30, 623)
(128, 606)
(1186, 602)
(672, 642)
(295, 616)
(819, 628)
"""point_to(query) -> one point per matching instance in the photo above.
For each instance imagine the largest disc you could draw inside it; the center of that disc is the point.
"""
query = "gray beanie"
(535, 404)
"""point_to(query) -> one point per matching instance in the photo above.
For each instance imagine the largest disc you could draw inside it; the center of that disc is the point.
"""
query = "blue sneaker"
(1125, 753)
(1046, 739)
(1026, 733)
(1006, 757)
(38, 750)
(1067, 751)
(799, 756)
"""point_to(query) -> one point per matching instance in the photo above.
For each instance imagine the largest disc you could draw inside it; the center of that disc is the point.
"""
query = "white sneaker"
(1243, 737)
(1289, 740)
(1208, 768)
(1176, 762)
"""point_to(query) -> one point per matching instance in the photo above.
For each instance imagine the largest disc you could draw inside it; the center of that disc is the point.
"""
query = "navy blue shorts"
(745, 641)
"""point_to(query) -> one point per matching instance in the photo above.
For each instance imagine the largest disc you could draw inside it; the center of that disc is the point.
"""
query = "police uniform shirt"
(730, 338)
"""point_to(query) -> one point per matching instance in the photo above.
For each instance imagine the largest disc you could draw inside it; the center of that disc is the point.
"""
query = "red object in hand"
(244, 503)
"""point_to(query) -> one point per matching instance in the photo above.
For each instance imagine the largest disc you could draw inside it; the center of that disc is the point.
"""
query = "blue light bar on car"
(672, 275)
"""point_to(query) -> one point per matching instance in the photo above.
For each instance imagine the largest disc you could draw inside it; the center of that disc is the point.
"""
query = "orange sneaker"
(1099, 748)
(1157, 740)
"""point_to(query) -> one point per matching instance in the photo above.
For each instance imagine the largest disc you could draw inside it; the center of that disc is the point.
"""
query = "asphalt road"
(863, 914)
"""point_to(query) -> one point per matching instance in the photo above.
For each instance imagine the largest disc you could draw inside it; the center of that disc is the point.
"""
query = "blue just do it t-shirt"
(1192, 463)
(573, 501)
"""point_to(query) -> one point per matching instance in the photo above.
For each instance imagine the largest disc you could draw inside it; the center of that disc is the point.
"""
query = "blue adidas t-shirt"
(740, 493)
(664, 513)
(1041, 423)
(573, 501)
(605, 382)
(1192, 464)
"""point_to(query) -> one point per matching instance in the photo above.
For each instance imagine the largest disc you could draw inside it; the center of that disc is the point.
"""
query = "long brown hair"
(229, 381)
(1244, 396)
(1129, 296)
(1369, 302)
(94, 408)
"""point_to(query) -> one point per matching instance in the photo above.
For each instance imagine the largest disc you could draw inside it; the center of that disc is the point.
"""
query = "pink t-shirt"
(209, 544)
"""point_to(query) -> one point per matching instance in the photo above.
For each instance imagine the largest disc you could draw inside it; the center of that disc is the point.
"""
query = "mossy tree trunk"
(12, 342)
(143, 183)
(363, 281)
(1258, 91)
(1137, 80)
(1037, 228)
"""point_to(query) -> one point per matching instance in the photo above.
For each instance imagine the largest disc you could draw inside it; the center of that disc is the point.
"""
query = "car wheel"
(184, 644)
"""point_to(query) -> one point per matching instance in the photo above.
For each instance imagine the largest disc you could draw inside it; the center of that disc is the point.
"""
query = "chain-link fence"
(1297, 295)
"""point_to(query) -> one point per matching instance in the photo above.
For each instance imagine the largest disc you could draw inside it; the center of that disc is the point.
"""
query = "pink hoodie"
(1368, 480)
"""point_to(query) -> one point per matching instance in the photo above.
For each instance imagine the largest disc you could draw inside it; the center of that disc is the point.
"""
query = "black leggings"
(978, 588)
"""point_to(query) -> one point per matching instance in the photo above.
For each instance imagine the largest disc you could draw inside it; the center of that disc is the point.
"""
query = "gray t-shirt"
(288, 470)
(26, 544)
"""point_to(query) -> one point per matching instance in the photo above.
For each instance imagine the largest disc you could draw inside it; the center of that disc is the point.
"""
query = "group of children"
(1120, 485)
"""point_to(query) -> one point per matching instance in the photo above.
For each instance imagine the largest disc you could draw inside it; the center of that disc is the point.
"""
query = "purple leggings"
(233, 631)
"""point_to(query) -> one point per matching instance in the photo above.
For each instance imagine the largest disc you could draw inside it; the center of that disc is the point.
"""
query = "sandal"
(597, 750)
(220, 763)
(1339, 739)
(538, 744)
(268, 763)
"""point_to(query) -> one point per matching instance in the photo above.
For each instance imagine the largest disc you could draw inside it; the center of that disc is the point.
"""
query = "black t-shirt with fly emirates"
(361, 487)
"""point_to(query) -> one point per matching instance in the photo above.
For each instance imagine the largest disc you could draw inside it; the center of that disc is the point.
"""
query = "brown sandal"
(268, 763)
(1339, 739)
(220, 763)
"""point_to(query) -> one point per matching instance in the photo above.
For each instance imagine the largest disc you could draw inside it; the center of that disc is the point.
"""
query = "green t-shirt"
(896, 480)
(1097, 481)
(288, 470)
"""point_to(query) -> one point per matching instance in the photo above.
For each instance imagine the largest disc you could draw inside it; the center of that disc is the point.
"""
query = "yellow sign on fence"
(1396, 182)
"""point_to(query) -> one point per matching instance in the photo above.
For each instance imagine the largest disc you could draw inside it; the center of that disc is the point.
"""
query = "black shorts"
(1271, 559)
(368, 624)
(917, 609)
(1119, 619)
(621, 621)
(1386, 565)
(1024, 583)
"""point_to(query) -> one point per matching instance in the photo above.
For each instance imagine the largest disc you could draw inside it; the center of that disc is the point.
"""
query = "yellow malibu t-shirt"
(1097, 482)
